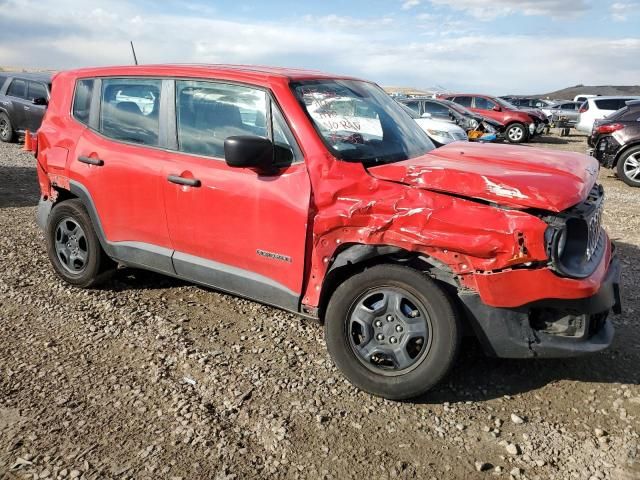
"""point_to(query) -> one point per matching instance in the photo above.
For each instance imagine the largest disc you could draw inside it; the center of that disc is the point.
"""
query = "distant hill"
(570, 92)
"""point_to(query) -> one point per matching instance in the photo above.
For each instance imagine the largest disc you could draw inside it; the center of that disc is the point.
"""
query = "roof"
(37, 76)
(257, 72)
(614, 97)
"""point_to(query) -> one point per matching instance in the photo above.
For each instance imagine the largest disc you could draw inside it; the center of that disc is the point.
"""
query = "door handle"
(91, 161)
(190, 182)
(25, 107)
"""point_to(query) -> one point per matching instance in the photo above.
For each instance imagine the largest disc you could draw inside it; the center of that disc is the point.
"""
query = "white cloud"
(621, 11)
(377, 49)
(490, 9)
(409, 4)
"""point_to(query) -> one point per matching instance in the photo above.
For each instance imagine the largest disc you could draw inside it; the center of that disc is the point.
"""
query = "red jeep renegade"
(319, 195)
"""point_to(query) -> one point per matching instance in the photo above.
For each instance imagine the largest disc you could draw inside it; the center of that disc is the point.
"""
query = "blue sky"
(493, 46)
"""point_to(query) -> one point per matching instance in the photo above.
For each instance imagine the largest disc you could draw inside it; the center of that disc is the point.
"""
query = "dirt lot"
(153, 378)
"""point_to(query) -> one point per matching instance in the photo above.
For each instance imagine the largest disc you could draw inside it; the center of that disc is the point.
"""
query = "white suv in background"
(599, 107)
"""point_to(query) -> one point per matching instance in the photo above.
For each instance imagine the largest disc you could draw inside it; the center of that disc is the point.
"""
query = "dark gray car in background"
(23, 101)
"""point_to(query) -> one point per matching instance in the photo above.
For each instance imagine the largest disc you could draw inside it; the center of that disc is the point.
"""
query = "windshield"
(359, 122)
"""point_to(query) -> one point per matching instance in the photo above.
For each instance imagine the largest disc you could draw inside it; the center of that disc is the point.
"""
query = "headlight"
(439, 133)
(532, 127)
(473, 123)
(561, 242)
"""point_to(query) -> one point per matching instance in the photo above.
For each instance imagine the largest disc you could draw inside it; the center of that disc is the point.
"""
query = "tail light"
(609, 128)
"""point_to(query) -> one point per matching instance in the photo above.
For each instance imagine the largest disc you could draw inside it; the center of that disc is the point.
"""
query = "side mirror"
(248, 151)
(40, 101)
(426, 115)
(496, 108)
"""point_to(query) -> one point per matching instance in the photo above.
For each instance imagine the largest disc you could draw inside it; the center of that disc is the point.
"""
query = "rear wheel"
(73, 246)
(516, 133)
(629, 167)
(6, 129)
(392, 331)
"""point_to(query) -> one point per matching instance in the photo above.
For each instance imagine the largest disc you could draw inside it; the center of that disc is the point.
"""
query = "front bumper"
(549, 328)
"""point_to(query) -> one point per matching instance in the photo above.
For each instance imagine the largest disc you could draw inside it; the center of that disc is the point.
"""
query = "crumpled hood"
(513, 176)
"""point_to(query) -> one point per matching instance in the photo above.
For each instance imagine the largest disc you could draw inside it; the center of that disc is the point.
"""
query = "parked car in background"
(528, 102)
(440, 132)
(599, 107)
(615, 142)
(23, 101)
(396, 246)
(519, 125)
(447, 111)
(565, 113)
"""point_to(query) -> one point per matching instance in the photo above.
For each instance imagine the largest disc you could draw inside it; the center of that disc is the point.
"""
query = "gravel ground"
(153, 378)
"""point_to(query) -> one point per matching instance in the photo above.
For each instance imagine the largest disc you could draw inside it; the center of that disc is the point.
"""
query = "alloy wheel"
(389, 331)
(631, 167)
(4, 128)
(516, 134)
(71, 245)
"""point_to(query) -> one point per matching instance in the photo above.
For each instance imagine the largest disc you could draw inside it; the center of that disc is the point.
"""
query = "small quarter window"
(286, 148)
(130, 110)
(82, 100)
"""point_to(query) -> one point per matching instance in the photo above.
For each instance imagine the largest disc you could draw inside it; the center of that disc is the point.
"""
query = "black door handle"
(91, 161)
(191, 182)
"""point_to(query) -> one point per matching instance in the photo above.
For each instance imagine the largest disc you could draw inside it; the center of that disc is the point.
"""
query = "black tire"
(516, 133)
(430, 366)
(628, 165)
(6, 129)
(96, 266)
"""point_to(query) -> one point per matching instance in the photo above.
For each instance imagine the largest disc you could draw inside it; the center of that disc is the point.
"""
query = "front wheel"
(516, 133)
(392, 331)
(6, 129)
(629, 167)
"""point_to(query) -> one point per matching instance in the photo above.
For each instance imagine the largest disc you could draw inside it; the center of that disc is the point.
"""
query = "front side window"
(130, 110)
(484, 104)
(82, 100)
(209, 112)
(415, 106)
(17, 88)
(436, 109)
(37, 90)
(359, 122)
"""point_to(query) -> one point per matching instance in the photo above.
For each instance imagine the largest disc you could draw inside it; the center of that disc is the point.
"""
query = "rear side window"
(464, 101)
(630, 114)
(209, 112)
(130, 110)
(82, 100)
(17, 88)
(611, 103)
(37, 90)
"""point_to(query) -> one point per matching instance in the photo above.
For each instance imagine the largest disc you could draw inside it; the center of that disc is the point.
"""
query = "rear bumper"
(549, 328)
(605, 150)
